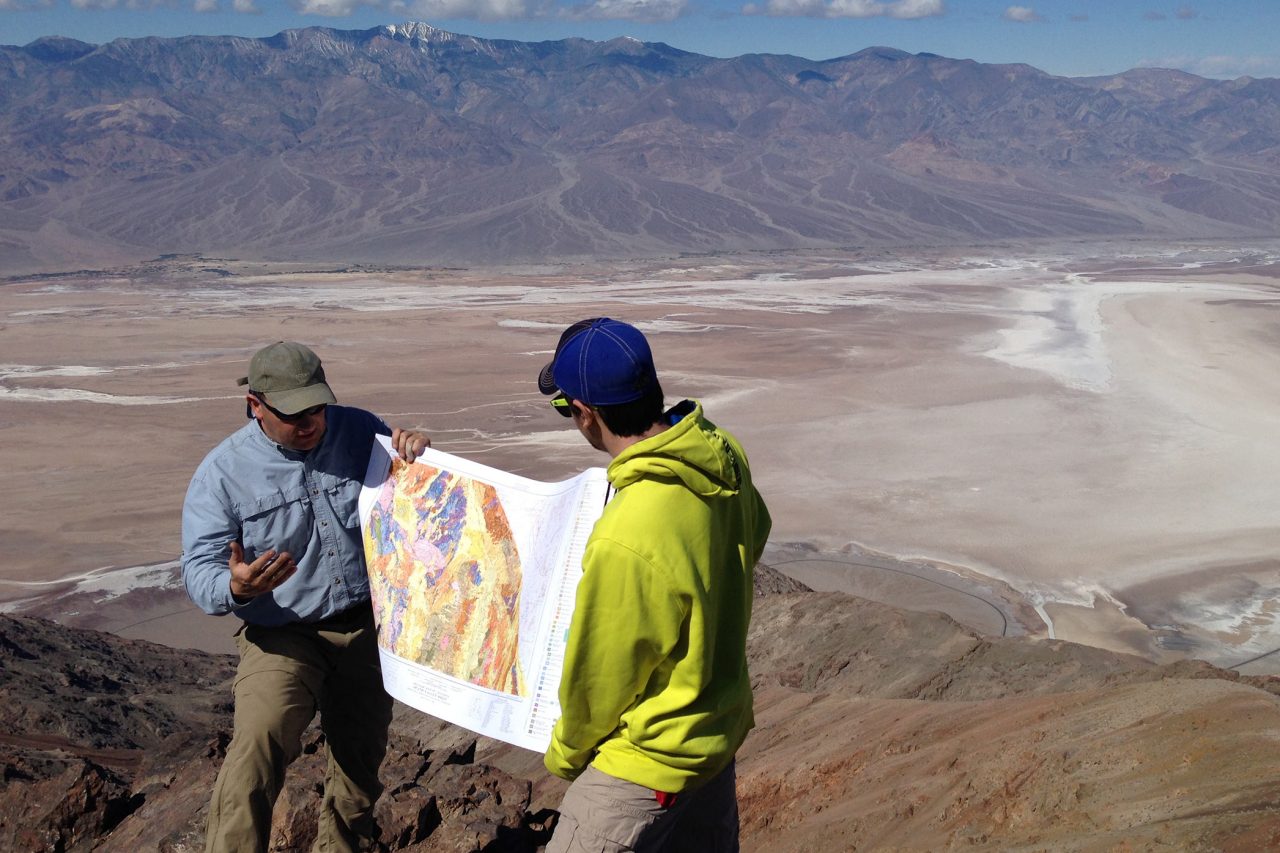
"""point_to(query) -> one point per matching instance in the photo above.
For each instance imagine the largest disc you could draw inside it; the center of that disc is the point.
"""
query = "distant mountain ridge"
(408, 144)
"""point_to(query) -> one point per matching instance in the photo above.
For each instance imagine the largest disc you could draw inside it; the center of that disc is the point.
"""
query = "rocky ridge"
(876, 729)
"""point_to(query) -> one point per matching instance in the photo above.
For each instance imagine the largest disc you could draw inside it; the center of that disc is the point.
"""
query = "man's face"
(300, 432)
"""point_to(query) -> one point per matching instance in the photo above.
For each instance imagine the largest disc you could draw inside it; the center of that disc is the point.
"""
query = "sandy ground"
(1085, 429)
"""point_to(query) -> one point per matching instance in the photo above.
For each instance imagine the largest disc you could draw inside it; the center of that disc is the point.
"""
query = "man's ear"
(586, 417)
(591, 425)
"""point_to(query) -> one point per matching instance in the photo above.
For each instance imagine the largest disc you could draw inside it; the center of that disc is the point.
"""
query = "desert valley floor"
(1073, 440)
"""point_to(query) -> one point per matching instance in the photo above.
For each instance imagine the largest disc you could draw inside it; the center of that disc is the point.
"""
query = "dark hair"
(634, 418)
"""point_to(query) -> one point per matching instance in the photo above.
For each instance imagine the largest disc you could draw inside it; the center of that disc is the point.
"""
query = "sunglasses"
(297, 417)
(563, 405)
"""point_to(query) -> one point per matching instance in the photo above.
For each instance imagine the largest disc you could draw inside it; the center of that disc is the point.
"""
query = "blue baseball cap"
(601, 362)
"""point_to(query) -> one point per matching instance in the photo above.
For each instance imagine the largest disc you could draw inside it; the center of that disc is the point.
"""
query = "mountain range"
(410, 145)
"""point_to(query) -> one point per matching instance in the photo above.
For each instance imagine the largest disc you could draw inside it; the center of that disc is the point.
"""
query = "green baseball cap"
(289, 377)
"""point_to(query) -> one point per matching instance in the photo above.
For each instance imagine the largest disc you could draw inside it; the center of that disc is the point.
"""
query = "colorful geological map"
(446, 576)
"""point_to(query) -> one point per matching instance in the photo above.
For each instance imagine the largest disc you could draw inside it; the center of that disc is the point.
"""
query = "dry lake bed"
(1073, 440)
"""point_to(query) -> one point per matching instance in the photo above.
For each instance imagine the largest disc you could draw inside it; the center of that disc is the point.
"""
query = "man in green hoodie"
(655, 697)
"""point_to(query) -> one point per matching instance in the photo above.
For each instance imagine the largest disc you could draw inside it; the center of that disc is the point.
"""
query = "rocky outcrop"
(876, 729)
(113, 745)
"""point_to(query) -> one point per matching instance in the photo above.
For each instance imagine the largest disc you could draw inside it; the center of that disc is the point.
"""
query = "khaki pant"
(602, 814)
(286, 674)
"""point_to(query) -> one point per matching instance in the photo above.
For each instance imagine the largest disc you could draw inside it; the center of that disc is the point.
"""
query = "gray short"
(603, 814)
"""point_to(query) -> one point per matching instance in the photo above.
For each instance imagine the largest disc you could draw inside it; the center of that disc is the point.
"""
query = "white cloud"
(1186, 13)
(810, 8)
(120, 4)
(628, 10)
(484, 10)
(205, 5)
(24, 5)
(325, 8)
(246, 7)
(1219, 67)
(917, 9)
(906, 9)
(1022, 14)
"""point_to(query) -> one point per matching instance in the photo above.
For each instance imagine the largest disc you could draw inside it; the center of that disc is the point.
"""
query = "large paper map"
(472, 572)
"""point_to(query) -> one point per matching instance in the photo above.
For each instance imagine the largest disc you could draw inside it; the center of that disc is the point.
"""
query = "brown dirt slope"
(1174, 764)
(880, 729)
(877, 729)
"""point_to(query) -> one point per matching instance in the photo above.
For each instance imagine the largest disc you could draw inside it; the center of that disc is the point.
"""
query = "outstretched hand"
(264, 574)
(409, 444)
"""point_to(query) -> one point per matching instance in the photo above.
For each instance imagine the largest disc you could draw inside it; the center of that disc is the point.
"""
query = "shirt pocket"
(343, 496)
(280, 521)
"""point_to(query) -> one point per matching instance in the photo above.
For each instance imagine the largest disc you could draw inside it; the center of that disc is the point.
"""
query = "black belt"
(351, 615)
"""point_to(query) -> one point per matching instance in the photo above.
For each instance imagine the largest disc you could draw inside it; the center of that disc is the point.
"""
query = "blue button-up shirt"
(267, 497)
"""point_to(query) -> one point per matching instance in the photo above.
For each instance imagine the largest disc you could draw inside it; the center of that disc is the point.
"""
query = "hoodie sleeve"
(626, 621)
(763, 525)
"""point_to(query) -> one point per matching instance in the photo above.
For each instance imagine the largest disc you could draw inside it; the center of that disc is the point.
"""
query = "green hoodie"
(655, 687)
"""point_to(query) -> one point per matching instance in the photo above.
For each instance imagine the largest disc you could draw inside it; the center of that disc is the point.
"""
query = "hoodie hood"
(691, 451)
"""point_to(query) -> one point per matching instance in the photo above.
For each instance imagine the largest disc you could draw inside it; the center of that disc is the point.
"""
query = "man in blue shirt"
(271, 533)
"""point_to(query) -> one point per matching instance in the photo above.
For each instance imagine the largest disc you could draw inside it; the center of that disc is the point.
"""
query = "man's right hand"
(264, 574)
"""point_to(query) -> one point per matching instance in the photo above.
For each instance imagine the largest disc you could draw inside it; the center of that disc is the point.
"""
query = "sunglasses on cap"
(563, 405)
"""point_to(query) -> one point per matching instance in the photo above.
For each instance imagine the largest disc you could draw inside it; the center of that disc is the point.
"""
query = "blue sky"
(1214, 38)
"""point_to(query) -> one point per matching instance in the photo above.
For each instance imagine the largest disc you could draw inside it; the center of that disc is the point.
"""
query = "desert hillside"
(877, 729)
